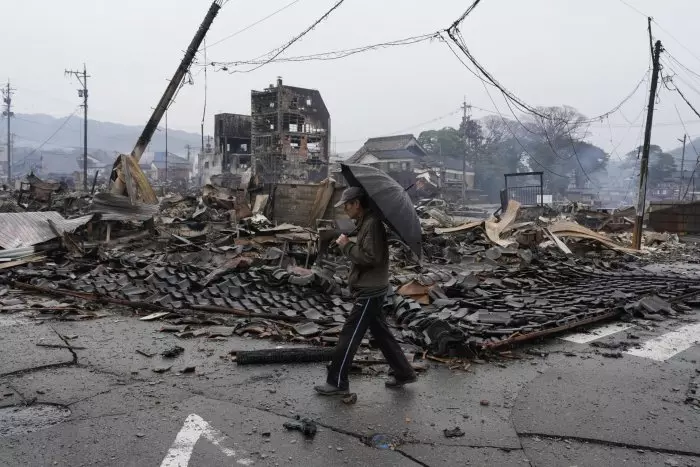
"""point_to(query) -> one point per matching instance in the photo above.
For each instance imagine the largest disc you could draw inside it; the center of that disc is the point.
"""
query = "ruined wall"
(232, 139)
(290, 134)
(293, 203)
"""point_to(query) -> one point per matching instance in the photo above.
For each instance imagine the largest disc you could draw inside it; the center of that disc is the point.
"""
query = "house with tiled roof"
(390, 153)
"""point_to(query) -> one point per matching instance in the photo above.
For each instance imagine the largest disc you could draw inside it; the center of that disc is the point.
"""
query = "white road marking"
(195, 427)
(667, 345)
(596, 333)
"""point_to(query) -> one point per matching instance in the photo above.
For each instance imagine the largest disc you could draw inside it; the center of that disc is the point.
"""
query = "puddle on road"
(18, 420)
(381, 441)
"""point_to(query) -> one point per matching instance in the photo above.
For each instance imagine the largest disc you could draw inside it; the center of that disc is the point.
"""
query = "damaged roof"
(30, 228)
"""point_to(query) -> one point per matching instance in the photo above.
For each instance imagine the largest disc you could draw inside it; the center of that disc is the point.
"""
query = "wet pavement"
(558, 403)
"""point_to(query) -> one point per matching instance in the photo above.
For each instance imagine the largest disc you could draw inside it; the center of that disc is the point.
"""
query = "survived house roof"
(388, 143)
(385, 147)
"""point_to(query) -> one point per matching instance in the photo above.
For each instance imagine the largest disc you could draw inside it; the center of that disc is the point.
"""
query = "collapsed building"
(291, 129)
(232, 134)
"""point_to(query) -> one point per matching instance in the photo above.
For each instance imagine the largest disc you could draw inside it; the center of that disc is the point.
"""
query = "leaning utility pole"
(680, 186)
(7, 98)
(166, 145)
(644, 166)
(82, 78)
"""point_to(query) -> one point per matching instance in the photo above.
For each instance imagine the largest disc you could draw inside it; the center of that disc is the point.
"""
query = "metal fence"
(525, 188)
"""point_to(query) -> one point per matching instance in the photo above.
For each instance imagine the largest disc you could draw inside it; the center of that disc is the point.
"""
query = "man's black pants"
(367, 313)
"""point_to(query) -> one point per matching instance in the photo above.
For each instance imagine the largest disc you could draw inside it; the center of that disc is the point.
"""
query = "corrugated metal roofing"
(119, 208)
(22, 229)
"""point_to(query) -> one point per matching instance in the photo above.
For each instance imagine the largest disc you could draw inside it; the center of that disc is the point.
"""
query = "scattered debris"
(172, 352)
(305, 425)
(455, 432)
(350, 399)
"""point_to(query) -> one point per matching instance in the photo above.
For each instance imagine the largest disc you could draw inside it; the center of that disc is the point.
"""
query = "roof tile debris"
(204, 272)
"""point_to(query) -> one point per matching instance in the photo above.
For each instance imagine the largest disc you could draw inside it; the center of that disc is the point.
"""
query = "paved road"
(562, 402)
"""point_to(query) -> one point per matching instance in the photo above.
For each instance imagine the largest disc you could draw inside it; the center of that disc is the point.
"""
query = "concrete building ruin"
(291, 130)
(232, 140)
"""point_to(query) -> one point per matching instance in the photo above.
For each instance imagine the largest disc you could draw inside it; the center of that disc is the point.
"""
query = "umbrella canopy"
(388, 199)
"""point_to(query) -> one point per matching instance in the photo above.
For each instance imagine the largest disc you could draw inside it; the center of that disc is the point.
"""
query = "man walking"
(369, 284)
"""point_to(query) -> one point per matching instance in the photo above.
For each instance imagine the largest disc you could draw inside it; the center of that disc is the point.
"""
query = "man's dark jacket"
(369, 254)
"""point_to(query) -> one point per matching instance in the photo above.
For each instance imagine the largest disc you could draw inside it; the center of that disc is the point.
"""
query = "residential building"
(291, 130)
(403, 157)
(401, 153)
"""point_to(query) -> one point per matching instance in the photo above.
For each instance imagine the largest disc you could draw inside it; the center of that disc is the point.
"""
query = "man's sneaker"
(330, 390)
(393, 382)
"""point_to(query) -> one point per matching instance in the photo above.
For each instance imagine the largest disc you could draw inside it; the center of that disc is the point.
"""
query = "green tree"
(445, 142)
(662, 166)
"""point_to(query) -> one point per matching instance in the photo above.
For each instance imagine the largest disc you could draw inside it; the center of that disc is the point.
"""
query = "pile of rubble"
(208, 264)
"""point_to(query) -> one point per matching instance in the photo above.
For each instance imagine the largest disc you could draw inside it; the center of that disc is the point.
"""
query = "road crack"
(68, 346)
(582, 439)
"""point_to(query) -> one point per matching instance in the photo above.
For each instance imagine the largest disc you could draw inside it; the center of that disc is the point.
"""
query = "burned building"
(232, 134)
(291, 130)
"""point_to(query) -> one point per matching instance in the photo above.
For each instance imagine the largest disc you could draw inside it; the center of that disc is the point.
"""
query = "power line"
(516, 138)
(456, 36)
(697, 161)
(251, 25)
(661, 27)
(273, 54)
(327, 56)
(436, 119)
(697, 75)
(46, 141)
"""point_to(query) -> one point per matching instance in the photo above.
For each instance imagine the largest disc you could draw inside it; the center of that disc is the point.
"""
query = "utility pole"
(644, 166)
(82, 78)
(166, 145)
(7, 99)
(465, 118)
(189, 148)
(680, 187)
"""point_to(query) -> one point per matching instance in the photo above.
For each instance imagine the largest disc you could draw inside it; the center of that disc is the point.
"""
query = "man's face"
(353, 209)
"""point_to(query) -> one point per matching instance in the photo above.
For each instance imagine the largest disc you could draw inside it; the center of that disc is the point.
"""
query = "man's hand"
(342, 240)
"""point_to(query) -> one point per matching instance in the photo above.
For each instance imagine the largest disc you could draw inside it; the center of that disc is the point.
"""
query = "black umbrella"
(388, 199)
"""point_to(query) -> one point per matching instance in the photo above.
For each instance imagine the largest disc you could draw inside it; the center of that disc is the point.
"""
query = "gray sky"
(585, 53)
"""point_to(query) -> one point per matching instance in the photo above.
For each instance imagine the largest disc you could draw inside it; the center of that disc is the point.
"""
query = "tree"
(555, 143)
(445, 142)
(662, 166)
(500, 154)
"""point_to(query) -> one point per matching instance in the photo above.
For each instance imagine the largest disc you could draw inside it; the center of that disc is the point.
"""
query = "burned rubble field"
(469, 296)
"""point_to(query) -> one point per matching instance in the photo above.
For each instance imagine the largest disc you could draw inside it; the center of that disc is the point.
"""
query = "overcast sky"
(589, 54)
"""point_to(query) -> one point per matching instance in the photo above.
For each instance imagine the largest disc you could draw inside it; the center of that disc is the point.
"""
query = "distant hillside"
(33, 129)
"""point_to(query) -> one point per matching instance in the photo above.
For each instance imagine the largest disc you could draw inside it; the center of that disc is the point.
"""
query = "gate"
(525, 188)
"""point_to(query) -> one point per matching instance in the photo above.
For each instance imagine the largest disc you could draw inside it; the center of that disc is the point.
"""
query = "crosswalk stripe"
(596, 333)
(667, 345)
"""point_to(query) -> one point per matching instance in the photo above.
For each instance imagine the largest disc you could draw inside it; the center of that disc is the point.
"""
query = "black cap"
(350, 194)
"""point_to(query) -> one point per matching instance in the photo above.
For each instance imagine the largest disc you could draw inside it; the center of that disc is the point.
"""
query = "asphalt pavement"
(615, 394)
